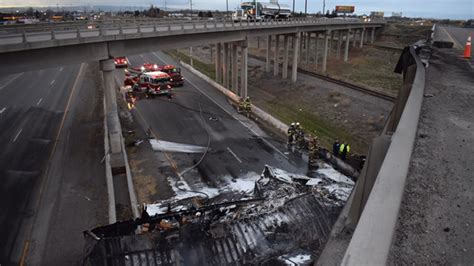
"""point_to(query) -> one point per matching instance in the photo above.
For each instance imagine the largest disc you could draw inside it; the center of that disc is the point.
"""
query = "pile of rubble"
(285, 218)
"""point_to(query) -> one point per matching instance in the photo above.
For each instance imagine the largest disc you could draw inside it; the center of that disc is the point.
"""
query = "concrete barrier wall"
(372, 238)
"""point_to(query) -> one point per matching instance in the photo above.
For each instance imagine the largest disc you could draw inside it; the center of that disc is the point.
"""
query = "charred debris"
(286, 219)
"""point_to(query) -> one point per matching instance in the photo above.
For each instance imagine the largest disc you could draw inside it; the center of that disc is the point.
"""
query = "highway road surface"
(200, 115)
(46, 154)
(458, 36)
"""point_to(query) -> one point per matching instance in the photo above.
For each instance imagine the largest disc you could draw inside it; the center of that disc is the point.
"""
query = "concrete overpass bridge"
(26, 48)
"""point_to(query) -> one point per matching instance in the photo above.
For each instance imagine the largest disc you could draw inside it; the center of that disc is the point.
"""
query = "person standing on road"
(291, 134)
(312, 150)
(335, 148)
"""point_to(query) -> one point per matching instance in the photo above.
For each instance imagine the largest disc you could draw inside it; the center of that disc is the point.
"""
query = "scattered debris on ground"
(275, 217)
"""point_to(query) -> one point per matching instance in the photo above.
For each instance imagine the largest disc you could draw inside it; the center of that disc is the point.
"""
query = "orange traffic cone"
(467, 48)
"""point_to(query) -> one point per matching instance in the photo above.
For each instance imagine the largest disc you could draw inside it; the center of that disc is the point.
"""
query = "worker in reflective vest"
(344, 149)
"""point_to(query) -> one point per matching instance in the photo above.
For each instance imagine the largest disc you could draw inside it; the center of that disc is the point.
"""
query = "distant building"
(376, 14)
(396, 14)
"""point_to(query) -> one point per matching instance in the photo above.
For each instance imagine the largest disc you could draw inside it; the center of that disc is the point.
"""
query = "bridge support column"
(308, 45)
(361, 44)
(339, 43)
(330, 43)
(296, 45)
(276, 64)
(113, 123)
(325, 51)
(372, 36)
(346, 48)
(235, 67)
(316, 52)
(218, 62)
(225, 67)
(243, 68)
(191, 56)
(354, 38)
(286, 47)
(269, 49)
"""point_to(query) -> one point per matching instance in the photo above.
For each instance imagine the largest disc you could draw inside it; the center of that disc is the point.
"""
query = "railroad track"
(339, 82)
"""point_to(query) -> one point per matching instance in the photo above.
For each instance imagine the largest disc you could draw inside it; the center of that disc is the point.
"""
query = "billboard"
(377, 14)
(345, 9)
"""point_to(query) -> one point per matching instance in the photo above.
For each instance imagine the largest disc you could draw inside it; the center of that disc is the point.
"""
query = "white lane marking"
(39, 101)
(61, 69)
(229, 113)
(235, 155)
(52, 82)
(3, 110)
(17, 134)
(10, 81)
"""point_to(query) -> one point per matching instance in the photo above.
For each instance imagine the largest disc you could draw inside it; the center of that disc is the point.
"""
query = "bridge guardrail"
(372, 238)
(118, 27)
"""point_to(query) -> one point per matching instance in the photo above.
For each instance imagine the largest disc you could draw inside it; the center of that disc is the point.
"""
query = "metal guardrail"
(52, 31)
(372, 238)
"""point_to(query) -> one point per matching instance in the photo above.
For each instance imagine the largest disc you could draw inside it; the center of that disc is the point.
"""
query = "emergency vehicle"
(176, 78)
(152, 83)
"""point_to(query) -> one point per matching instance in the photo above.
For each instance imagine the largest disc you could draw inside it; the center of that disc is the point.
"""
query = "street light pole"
(227, 8)
(293, 7)
(324, 7)
(305, 7)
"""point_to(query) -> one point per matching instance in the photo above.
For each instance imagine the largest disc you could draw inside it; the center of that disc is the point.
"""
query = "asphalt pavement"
(200, 115)
(36, 116)
(458, 36)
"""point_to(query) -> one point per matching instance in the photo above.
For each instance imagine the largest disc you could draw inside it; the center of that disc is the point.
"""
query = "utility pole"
(324, 7)
(305, 7)
(226, 8)
(293, 7)
(191, 5)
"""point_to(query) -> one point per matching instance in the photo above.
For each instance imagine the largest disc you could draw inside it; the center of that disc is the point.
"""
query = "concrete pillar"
(113, 123)
(218, 63)
(294, 69)
(191, 56)
(307, 41)
(325, 51)
(269, 49)
(300, 46)
(286, 46)
(316, 52)
(372, 36)
(346, 48)
(354, 38)
(235, 67)
(243, 68)
(339, 43)
(276, 55)
(330, 43)
(225, 66)
(361, 44)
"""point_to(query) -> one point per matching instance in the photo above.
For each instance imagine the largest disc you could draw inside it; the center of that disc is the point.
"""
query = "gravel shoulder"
(435, 220)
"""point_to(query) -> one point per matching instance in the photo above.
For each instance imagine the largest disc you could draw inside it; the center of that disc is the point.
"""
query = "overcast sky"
(459, 9)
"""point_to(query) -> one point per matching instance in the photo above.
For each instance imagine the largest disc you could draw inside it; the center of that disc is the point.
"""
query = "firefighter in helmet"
(248, 105)
(291, 134)
(312, 149)
(241, 106)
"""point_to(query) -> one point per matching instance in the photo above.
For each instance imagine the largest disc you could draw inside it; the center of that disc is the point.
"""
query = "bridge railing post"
(53, 34)
(23, 35)
(78, 32)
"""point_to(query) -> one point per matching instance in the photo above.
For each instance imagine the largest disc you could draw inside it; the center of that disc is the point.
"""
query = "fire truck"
(176, 78)
(151, 83)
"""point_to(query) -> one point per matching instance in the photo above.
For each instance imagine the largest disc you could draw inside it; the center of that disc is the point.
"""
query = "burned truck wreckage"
(285, 219)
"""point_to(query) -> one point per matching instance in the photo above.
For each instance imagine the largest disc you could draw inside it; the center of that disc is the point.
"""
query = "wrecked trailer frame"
(284, 216)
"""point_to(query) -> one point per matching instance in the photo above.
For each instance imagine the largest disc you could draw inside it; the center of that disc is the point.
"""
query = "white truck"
(256, 10)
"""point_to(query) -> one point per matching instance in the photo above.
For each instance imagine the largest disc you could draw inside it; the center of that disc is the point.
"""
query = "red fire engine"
(151, 83)
(176, 78)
